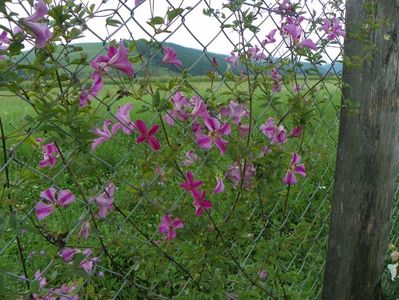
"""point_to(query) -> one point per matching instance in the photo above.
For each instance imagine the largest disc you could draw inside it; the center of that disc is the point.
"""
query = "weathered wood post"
(368, 154)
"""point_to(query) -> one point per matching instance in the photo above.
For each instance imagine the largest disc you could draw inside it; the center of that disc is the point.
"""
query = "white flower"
(393, 268)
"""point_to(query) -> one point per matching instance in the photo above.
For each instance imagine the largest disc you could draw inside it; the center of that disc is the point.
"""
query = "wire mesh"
(270, 240)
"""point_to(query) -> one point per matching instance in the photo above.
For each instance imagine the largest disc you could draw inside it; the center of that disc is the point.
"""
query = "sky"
(196, 31)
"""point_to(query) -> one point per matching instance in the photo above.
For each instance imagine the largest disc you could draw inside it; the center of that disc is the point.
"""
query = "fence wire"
(131, 261)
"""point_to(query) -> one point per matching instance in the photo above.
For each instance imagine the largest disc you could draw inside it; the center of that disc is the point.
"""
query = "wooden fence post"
(368, 155)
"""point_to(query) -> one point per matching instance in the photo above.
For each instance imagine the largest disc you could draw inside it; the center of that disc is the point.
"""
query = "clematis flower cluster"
(87, 264)
(333, 28)
(178, 112)
(236, 174)
(276, 134)
(292, 29)
(128, 127)
(200, 202)
(36, 27)
(51, 200)
(116, 58)
(65, 292)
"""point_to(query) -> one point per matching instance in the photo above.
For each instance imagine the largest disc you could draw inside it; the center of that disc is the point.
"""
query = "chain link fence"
(265, 240)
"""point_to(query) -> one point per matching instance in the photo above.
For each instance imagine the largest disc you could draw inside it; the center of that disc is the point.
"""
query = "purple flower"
(219, 188)
(44, 209)
(294, 168)
(295, 132)
(254, 54)
(84, 231)
(178, 112)
(215, 133)
(40, 30)
(67, 254)
(232, 59)
(199, 107)
(124, 121)
(103, 135)
(88, 263)
(169, 225)
(333, 29)
(50, 154)
(191, 158)
(293, 30)
(86, 95)
(236, 174)
(263, 274)
(269, 38)
(170, 57)
(105, 201)
(190, 185)
(200, 203)
(236, 111)
(4, 43)
(148, 135)
(276, 78)
(116, 58)
(276, 134)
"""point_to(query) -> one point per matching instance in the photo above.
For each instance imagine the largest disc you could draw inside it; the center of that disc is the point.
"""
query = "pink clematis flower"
(236, 111)
(39, 277)
(88, 263)
(178, 112)
(124, 121)
(190, 185)
(4, 43)
(170, 57)
(137, 2)
(276, 78)
(269, 38)
(254, 54)
(333, 28)
(40, 30)
(87, 95)
(50, 154)
(200, 203)
(116, 58)
(295, 132)
(64, 198)
(294, 168)
(199, 107)
(169, 225)
(104, 134)
(191, 158)
(276, 134)
(84, 231)
(67, 254)
(216, 131)
(293, 30)
(105, 201)
(147, 135)
(235, 174)
(232, 59)
(219, 188)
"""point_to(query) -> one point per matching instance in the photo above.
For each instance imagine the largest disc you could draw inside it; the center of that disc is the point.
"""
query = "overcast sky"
(197, 30)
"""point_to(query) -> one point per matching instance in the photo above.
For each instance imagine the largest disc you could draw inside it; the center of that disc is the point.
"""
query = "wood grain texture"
(367, 160)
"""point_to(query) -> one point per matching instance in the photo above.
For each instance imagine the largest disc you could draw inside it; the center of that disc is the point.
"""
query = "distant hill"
(198, 62)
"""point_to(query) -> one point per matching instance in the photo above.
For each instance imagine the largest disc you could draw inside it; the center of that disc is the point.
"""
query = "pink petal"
(221, 144)
(290, 178)
(300, 169)
(219, 188)
(204, 141)
(153, 130)
(140, 125)
(154, 143)
(43, 210)
(49, 194)
(295, 158)
(65, 197)
(177, 223)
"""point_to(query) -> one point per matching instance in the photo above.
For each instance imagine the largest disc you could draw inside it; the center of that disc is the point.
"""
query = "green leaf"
(113, 22)
(156, 21)
(172, 14)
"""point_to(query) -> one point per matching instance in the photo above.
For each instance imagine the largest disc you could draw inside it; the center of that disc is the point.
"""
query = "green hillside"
(197, 62)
